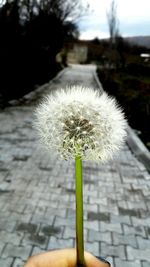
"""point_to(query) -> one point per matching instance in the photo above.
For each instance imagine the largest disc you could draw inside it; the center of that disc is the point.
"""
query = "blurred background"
(38, 38)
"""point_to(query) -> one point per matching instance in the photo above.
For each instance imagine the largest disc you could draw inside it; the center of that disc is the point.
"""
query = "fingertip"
(103, 260)
(92, 261)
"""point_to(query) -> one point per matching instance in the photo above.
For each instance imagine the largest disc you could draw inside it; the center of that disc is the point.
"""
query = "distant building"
(146, 57)
(83, 51)
(77, 52)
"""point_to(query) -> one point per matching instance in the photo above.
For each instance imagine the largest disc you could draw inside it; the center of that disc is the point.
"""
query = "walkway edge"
(98, 81)
(133, 141)
(138, 148)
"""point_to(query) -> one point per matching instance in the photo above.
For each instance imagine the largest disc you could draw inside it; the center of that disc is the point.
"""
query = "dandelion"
(80, 121)
(82, 124)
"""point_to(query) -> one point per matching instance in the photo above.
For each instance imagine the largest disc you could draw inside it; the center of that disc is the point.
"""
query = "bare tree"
(113, 25)
(64, 10)
(113, 22)
(32, 32)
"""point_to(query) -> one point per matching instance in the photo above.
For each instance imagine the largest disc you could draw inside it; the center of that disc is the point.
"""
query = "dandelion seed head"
(79, 121)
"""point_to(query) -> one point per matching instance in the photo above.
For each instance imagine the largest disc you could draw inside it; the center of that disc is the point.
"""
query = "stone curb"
(138, 148)
(133, 141)
(97, 81)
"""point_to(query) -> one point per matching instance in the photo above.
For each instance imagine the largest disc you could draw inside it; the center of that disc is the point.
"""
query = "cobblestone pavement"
(37, 193)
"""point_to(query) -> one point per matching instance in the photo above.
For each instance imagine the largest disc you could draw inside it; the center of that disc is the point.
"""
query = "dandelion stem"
(79, 212)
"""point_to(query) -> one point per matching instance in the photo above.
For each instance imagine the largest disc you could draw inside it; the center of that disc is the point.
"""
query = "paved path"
(37, 202)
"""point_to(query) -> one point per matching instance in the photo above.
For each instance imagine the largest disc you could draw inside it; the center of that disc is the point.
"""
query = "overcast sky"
(133, 16)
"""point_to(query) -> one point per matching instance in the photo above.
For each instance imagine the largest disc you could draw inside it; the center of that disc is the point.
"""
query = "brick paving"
(37, 192)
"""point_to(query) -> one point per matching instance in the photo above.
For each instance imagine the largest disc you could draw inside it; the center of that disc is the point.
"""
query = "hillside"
(139, 40)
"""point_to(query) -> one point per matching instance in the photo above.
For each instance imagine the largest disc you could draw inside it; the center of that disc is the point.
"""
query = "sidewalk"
(37, 193)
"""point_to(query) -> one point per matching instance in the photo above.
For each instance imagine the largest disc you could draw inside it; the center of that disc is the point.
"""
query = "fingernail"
(103, 260)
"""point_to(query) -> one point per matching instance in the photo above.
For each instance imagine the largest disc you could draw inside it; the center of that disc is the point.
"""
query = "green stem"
(79, 212)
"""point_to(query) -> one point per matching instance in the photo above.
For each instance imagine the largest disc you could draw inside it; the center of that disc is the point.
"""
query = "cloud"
(133, 18)
(91, 34)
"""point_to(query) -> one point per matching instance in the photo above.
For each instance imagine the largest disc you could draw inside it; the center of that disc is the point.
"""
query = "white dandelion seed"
(78, 121)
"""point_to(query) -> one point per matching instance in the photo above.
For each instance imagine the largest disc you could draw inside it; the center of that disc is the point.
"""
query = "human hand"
(62, 258)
